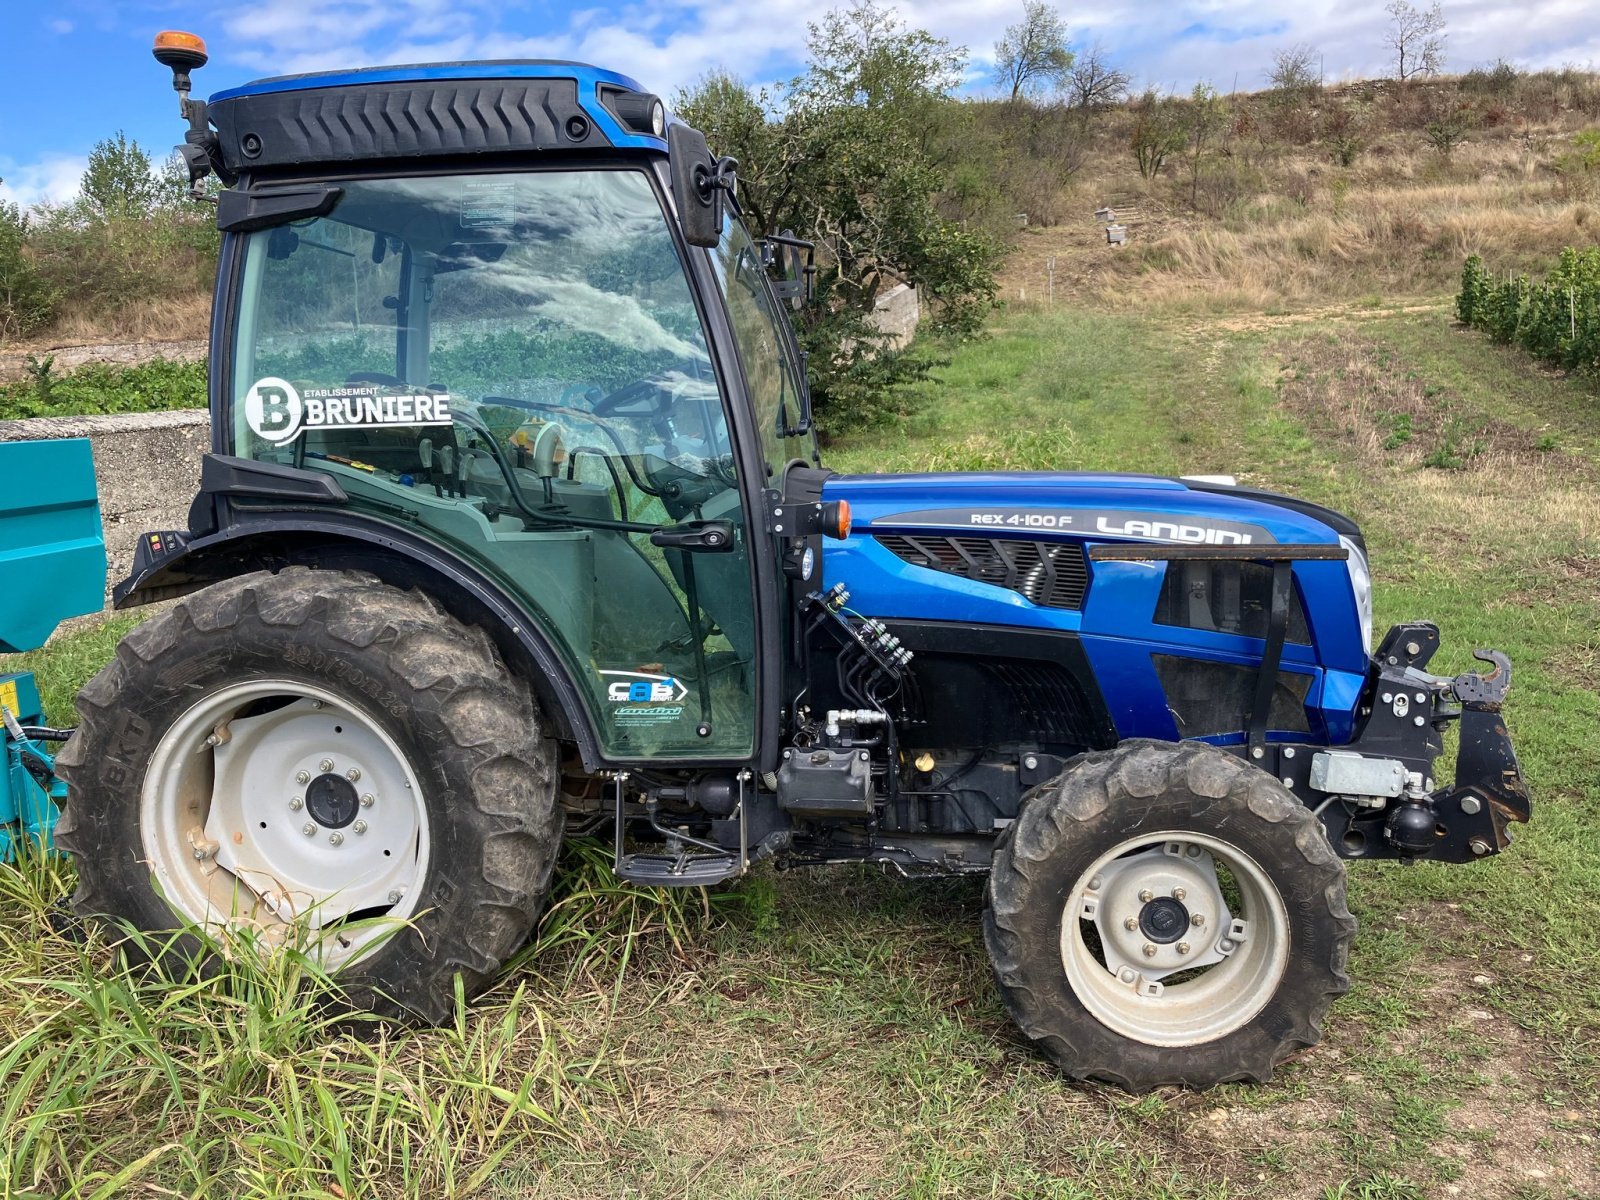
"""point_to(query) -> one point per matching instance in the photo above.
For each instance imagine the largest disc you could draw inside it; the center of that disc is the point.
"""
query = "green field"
(817, 1035)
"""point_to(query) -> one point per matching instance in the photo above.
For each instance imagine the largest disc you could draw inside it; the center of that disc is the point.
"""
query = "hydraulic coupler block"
(826, 782)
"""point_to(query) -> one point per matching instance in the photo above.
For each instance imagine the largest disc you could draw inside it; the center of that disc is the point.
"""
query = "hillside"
(1282, 199)
(1490, 164)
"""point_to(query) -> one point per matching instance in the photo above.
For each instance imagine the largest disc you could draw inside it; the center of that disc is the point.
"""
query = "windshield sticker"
(641, 698)
(488, 203)
(278, 412)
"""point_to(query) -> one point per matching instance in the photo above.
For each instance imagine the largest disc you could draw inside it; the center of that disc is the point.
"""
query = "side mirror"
(697, 185)
(794, 259)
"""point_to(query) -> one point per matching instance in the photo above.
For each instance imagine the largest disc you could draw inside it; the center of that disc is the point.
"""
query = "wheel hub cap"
(332, 801)
(1164, 920)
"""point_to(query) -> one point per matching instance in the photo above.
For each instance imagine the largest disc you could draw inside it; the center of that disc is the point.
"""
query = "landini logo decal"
(279, 412)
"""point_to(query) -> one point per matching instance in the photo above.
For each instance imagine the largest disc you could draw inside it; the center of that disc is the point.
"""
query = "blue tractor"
(514, 524)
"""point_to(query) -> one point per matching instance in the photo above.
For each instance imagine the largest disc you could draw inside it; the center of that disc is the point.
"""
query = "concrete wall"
(897, 313)
(147, 466)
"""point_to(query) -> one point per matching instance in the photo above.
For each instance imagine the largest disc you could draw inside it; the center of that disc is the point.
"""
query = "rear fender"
(173, 564)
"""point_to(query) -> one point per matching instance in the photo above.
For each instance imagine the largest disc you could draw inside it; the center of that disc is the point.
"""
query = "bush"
(1498, 80)
(1556, 319)
(26, 298)
(99, 264)
(153, 386)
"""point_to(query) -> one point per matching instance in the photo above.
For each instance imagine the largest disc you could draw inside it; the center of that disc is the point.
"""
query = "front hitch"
(1489, 791)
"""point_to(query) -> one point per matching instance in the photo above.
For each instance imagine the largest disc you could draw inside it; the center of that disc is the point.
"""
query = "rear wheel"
(318, 755)
(1167, 913)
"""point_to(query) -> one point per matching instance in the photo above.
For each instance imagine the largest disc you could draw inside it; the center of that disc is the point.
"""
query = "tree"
(1033, 53)
(1416, 35)
(1092, 82)
(842, 155)
(119, 181)
(1296, 71)
(1207, 115)
(1158, 131)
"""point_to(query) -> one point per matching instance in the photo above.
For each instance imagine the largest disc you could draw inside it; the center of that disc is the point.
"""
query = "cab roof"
(425, 110)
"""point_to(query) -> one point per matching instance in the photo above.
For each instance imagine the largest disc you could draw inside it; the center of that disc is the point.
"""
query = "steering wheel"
(623, 402)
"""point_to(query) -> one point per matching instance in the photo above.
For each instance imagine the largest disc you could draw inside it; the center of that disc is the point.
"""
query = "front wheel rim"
(1140, 962)
(279, 806)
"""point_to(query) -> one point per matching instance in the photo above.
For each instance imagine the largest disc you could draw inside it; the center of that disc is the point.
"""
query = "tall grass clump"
(1555, 319)
(238, 1073)
(246, 1078)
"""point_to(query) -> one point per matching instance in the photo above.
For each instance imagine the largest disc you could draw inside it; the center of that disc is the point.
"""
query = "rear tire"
(467, 773)
(1104, 991)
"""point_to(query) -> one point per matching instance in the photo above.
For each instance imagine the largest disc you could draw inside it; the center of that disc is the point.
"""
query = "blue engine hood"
(1088, 505)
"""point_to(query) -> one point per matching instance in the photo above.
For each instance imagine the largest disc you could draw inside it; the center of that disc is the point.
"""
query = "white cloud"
(60, 26)
(672, 43)
(53, 179)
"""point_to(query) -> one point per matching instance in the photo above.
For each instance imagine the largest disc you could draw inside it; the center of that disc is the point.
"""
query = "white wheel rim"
(1169, 980)
(302, 817)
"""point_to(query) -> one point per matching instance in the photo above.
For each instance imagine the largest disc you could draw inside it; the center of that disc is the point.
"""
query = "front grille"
(1051, 574)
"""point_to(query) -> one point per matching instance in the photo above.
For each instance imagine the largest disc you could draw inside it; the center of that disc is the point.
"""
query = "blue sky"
(79, 70)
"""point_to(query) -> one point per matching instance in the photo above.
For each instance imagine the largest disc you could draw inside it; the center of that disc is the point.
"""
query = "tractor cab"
(507, 309)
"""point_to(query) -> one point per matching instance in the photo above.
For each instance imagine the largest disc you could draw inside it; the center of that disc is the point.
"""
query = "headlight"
(1361, 585)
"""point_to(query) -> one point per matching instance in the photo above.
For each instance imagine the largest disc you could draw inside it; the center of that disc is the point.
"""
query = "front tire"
(1167, 914)
(316, 750)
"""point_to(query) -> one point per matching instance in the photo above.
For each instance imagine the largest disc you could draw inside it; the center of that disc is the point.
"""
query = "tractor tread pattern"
(1100, 799)
(491, 868)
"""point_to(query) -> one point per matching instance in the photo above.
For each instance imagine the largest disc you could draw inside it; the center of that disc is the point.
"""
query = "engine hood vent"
(1050, 574)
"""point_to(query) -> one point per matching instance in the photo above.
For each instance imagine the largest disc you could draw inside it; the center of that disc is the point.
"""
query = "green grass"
(828, 1033)
(98, 388)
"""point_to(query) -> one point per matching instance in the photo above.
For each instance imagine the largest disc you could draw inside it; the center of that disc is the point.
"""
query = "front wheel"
(314, 755)
(1167, 914)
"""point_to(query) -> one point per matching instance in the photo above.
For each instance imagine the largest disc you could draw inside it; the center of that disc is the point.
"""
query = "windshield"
(771, 374)
(516, 363)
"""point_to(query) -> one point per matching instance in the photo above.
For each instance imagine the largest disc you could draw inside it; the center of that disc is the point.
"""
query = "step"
(678, 870)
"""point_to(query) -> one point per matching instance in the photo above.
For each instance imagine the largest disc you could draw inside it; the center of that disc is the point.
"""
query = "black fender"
(173, 564)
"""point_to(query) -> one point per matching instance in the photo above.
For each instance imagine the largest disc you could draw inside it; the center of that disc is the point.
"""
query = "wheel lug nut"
(1131, 923)
(309, 829)
(352, 774)
(359, 827)
(1197, 920)
(296, 804)
(1183, 947)
(394, 896)
(1178, 893)
(336, 839)
(325, 765)
(302, 777)
(1149, 950)
(1146, 896)
(367, 800)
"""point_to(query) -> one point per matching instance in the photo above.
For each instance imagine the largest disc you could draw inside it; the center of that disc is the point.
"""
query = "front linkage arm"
(1409, 710)
(1489, 791)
